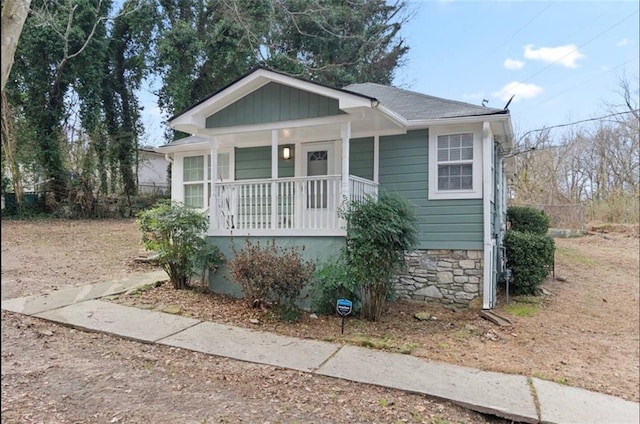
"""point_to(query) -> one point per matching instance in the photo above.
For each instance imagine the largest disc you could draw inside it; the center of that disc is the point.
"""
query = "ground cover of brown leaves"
(583, 333)
(56, 374)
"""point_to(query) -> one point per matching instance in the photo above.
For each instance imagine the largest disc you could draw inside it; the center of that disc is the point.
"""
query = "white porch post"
(213, 204)
(345, 132)
(376, 158)
(274, 177)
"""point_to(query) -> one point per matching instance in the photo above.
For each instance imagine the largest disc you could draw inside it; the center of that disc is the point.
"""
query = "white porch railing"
(300, 205)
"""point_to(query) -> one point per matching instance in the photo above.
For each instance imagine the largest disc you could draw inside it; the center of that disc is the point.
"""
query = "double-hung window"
(194, 177)
(455, 164)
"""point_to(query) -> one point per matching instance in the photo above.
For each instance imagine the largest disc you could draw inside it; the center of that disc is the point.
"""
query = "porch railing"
(285, 205)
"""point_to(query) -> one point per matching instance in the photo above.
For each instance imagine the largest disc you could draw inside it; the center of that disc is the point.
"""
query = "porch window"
(455, 162)
(193, 177)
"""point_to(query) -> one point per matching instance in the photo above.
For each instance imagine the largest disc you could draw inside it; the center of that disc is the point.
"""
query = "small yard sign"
(344, 307)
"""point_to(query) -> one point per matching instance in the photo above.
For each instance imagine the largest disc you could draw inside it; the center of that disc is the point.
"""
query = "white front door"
(319, 205)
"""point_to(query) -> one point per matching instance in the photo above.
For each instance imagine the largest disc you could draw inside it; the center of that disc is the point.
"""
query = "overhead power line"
(567, 124)
(576, 49)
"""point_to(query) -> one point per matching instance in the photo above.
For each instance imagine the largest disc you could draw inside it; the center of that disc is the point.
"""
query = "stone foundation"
(452, 277)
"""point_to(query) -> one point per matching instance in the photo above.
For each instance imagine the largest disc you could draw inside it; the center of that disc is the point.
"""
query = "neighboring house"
(152, 172)
(284, 152)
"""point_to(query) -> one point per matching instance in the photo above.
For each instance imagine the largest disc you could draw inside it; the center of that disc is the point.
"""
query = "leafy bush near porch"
(175, 233)
(379, 232)
(333, 281)
(270, 273)
(528, 220)
(529, 250)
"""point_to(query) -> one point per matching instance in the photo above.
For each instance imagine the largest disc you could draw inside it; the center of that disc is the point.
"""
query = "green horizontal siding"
(361, 157)
(442, 224)
(316, 249)
(255, 162)
(271, 103)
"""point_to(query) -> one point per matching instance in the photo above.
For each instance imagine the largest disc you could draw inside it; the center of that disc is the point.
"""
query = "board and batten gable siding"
(255, 163)
(361, 157)
(271, 103)
(442, 224)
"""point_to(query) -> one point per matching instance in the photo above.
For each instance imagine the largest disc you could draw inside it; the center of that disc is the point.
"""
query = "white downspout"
(487, 157)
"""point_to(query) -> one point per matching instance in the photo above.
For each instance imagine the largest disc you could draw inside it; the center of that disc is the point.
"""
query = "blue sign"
(344, 307)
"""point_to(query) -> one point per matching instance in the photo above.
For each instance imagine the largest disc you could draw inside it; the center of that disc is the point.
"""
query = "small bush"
(530, 257)
(332, 282)
(379, 232)
(271, 273)
(175, 233)
(527, 219)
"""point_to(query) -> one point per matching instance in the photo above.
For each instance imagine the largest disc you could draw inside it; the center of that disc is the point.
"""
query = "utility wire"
(587, 80)
(567, 124)
(576, 49)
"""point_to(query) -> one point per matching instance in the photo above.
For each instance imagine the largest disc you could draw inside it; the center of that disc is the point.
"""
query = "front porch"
(284, 206)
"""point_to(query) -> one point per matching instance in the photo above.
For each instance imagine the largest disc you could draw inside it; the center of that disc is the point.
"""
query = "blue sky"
(561, 59)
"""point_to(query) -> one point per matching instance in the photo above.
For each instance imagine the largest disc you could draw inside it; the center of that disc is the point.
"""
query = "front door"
(318, 192)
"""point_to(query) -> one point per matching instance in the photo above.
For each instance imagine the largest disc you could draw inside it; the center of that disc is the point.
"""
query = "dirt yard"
(55, 374)
(583, 333)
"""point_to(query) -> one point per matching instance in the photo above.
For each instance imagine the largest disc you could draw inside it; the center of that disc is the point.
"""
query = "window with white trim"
(455, 163)
(193, 177)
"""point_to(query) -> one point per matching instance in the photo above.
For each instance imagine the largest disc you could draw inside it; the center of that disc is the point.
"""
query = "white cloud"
(521, 91)
(513, 64)
(564, 55)
(623, 42)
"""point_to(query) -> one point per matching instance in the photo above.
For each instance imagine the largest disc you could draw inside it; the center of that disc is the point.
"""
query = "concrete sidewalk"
(514, 397)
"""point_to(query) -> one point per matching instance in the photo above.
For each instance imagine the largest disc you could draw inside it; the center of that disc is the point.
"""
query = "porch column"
(376, 158)
(274, 177)
(213, 204)
(345, 131)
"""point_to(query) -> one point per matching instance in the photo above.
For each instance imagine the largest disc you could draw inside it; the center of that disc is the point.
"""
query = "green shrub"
(271, 273)
(529, 257)
(175, 233)
(379, 232)
(527, 219)
(332, 282)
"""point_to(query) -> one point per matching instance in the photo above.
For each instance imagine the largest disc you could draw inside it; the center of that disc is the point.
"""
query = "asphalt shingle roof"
(417, 106)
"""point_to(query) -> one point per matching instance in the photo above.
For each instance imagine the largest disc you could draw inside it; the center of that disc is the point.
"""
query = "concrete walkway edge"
(504, 395)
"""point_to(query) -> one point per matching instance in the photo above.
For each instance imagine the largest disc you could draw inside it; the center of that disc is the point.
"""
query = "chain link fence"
(567, 217)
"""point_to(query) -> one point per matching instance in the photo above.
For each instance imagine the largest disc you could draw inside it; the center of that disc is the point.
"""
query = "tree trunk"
(14, 14)
(373, 301)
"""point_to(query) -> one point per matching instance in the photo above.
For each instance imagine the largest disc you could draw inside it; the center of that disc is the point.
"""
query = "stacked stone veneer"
(451, 277)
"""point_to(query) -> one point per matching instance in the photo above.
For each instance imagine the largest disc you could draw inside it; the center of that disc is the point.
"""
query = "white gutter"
(488, 291)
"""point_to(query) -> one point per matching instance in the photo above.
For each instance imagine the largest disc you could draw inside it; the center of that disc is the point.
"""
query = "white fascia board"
(393, 116)
(197, 115)
(425, 123)
(184, 147)
(268, 126)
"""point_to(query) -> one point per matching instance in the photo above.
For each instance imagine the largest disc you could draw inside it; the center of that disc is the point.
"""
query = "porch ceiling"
(365, 122)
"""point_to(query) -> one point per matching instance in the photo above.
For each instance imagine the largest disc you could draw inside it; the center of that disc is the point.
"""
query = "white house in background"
(152, 172)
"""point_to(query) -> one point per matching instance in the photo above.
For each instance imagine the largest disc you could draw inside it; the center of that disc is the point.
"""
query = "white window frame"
(206, 182)
(476, 191)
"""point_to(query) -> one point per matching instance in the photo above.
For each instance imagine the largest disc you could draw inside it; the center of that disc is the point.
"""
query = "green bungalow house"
(271, 157)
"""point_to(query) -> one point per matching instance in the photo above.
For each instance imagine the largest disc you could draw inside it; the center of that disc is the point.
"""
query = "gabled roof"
(417, 106)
